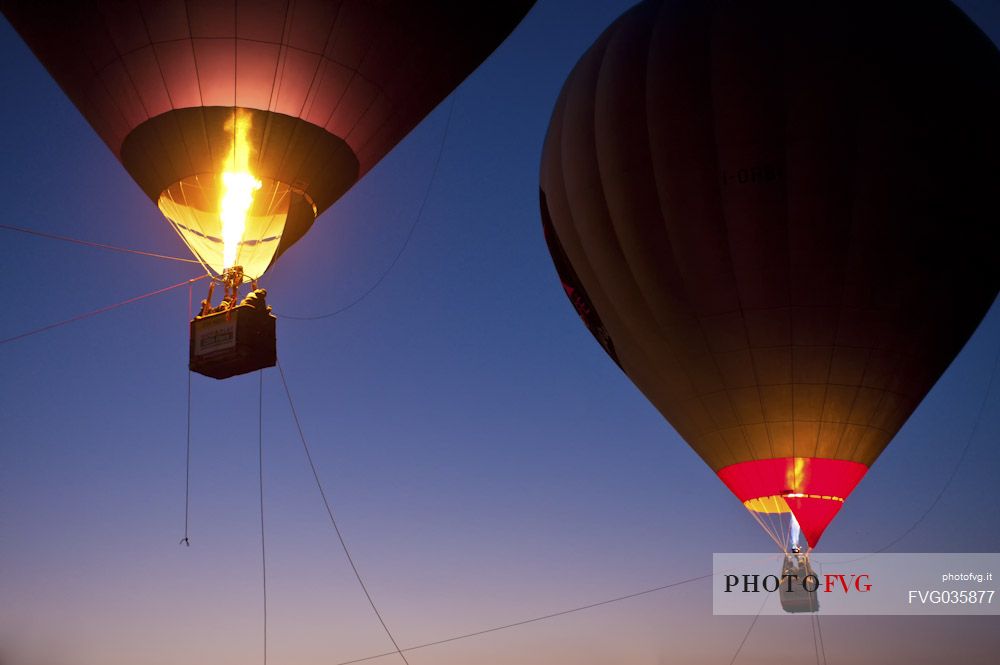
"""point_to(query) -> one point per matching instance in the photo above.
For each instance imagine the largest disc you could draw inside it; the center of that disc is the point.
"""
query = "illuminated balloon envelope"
(274, 173)
(244, 120)
(781, 220)
(304, 97)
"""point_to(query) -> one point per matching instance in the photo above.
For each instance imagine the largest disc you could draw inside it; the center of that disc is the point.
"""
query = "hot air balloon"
(245, 119)
(780, 220)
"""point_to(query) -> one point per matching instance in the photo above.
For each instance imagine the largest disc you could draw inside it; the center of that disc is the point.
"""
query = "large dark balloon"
(325, 89)
(780, 219)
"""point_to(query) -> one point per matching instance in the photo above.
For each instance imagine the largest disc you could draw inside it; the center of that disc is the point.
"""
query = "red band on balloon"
(814, 488)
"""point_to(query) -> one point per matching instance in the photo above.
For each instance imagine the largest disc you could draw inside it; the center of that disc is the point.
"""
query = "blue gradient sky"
(487, 462)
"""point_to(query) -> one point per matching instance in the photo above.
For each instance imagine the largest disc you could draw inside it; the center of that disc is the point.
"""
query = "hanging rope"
(750, 629)
(812, 624)
(333, 520)
(187, 468)
(87, 243)
(744, 640)
(187, 459)
(95, 312)
(406, 240)
(260, 478)
(819, 632)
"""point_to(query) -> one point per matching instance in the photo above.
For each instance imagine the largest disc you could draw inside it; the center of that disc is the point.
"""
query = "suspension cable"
(333, 520)
(819, 631)
(406, 240)
(749, 629)
(543, 617)
(812, 624)
(99, 245)
(260, 479)
(187, 457)
(95, 312)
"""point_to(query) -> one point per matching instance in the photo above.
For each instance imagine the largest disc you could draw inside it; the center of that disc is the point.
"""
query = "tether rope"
(99, 245)
(260, 478)
(406, 240)
(533, 619)
(749, 630)
(95, 312)
(819, 631)
(187, 458)
(333, 520)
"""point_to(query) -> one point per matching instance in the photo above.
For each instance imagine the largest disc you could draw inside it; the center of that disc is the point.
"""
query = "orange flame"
(239, 185)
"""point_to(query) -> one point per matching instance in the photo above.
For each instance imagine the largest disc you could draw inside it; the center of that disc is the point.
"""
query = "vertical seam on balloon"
(355, 74)
(841, 308)
(562, 138)
(697, 396)
(321, 67)
(697, 317)
(625, 22)
(128, 75)
(166, 88)
(236, 78)
(575, 77)
(361, 116)
(194, 53)
(271, 216)
(98, 78)
(131, 81)
(710, 89)
(739, 299)
(788, 254)
(869, 428)
(843, 292)
(197, 78)
(560, 195)
(395, 103)
(900, 360)
(324, 59)
(279, 63)
(322, 62)
(188, 244)
(176, 124)
(159, 138)
(415, 50)
(850, 408)
(628, 22)
(381, 91)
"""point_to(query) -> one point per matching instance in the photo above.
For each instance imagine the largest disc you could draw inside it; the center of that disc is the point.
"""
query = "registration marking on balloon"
(753, 175)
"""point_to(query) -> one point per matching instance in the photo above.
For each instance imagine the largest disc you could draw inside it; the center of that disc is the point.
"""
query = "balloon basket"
(236, 341)
(794, 595)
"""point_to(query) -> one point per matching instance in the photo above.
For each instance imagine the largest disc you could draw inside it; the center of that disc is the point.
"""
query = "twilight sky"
(487, 462)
